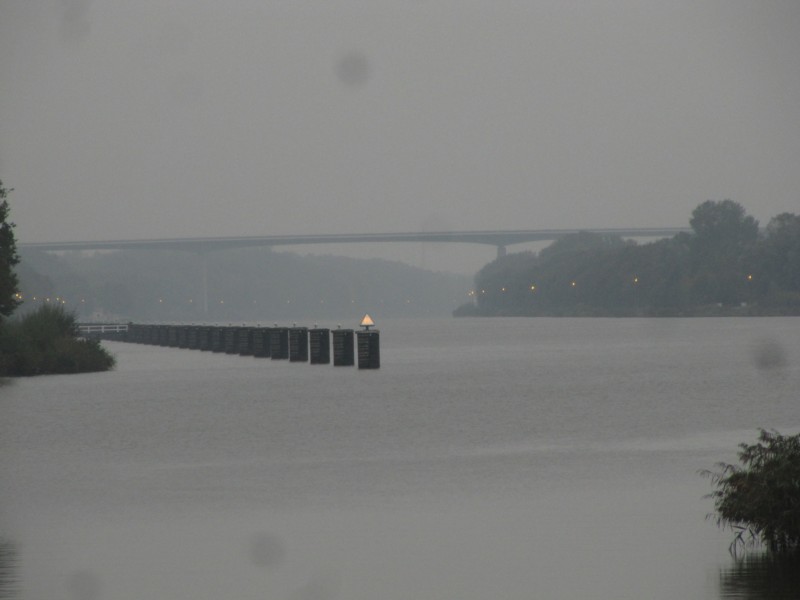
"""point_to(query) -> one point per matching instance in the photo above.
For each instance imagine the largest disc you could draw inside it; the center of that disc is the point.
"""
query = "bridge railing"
(99, 328)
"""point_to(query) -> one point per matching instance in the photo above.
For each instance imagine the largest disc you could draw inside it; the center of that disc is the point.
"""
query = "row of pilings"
(295, 344)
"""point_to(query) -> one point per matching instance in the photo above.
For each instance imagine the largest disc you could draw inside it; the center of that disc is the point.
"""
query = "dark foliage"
(723, 267)
(9, 298)
(759, 499)
(46, 342)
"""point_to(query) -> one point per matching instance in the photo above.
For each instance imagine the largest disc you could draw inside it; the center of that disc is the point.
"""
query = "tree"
(724, 237)
(760, 500)
(9, 291)
(723, 222)
(780, 252)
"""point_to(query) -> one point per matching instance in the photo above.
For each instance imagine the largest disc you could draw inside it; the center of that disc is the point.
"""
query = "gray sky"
(172, 118)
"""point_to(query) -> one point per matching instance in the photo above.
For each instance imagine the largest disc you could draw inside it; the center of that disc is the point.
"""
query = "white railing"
(87, 328)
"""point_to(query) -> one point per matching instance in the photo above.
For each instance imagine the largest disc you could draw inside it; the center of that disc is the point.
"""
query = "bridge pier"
(204, 262)
(501, 251)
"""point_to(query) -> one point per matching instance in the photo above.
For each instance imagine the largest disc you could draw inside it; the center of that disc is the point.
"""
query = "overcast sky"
(174, 118)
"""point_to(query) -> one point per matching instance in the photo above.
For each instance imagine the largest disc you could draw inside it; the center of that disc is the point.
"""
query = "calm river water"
(486, 459)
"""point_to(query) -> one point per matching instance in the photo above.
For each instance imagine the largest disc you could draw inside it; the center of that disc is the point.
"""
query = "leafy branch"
(759, 499)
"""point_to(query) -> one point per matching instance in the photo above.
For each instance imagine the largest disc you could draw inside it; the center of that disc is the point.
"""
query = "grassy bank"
(46, 342)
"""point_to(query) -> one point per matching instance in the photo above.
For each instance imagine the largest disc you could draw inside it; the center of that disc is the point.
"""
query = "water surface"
(487, 458)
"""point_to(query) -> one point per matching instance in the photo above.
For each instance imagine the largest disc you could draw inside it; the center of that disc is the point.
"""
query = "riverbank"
(470, 310)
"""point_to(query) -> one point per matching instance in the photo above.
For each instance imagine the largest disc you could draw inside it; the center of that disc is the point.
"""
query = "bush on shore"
(46, 342)
(759, 500)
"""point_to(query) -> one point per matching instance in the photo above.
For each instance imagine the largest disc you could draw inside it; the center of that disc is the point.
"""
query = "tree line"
(726, 265)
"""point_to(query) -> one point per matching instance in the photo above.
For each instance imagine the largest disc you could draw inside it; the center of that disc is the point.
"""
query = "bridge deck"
(492, 238)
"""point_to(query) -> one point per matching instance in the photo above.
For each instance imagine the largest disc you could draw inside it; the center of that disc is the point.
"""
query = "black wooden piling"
(298, 344)
(229, 337)
(181, 336)
(244, 341)
(163, 335)
(217, 339)
(203, 338)
(190, 337)
(279, 343)
(261, 342)
(343, 355)
(319, 342)
(172, 336)
(369, 349)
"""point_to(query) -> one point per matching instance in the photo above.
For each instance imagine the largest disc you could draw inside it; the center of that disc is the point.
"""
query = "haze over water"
(499, 458)
(193, 118)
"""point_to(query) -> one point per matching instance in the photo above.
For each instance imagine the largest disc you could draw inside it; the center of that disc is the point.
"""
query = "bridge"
(203, 245)
(500, 239)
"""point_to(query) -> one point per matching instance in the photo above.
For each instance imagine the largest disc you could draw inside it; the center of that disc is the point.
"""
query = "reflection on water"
(9, 583)
(762, 577)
